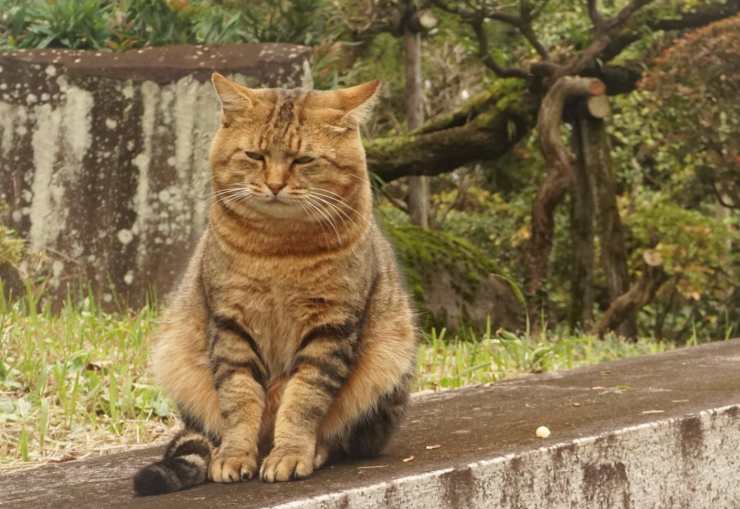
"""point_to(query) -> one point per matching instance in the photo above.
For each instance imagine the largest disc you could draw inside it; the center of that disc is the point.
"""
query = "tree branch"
(593, 12)
(603, 36)
(484, 128)
(686, 20)
(639, 295)
(487, 59)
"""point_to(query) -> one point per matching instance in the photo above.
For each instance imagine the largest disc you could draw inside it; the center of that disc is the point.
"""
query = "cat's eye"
(254, 155)
(303, 160)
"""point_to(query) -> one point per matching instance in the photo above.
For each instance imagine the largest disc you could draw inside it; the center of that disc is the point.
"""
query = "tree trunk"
(418, 193)
(597, 159)
(582, 224)
(555, 184)
(640, 294)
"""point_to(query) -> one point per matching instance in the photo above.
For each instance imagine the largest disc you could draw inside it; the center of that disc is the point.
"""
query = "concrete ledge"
(659, 432)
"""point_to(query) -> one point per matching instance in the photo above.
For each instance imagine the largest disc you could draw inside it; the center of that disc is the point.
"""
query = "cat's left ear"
(233, 96)
(349, 107)
(357, 102)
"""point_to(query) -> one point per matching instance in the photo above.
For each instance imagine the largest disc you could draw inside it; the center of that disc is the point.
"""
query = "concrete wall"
(687, 463)
(104, 156)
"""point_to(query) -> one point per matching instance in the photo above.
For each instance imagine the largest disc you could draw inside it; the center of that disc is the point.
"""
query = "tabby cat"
(290, 339)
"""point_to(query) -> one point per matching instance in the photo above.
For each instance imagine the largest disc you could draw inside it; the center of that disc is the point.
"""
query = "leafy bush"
(124, 24)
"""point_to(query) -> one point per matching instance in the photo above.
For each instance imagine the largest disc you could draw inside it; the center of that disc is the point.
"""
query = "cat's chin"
(279, 209)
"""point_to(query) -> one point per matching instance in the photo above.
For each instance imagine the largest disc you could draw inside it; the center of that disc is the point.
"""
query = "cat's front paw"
(285, 463)
(232, 466)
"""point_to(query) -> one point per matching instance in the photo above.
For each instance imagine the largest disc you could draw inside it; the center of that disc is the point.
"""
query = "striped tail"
(184, 465)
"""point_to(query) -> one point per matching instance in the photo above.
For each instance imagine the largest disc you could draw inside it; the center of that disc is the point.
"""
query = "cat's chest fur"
(279, 303)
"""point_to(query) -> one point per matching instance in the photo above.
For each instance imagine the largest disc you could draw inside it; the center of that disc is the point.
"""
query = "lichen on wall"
(104, 157)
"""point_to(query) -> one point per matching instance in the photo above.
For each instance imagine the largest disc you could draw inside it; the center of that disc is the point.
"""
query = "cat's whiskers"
(341, 214)
(231, 195)
(316, 206)
(352, 214)
(336, 200)
(335, 197)
(313, 215)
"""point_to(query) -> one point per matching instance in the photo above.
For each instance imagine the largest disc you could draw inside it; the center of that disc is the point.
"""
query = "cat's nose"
(275, 188)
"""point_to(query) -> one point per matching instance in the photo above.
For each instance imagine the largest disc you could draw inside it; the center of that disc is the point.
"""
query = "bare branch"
(463, 13)
(528, 33)
(399, 204)
(722, 199)
(487, 59)
(603, 37)
(593, 12)
(639, 295)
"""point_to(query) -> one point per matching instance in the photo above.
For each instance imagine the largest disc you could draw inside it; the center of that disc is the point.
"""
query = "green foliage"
(124, 24)
(11, 246)
(298, 21)
(676, 155)
(689, 245)
(63, 23)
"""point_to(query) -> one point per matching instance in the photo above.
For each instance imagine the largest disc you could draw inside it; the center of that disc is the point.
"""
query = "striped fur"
(185, 464)
(290, 339)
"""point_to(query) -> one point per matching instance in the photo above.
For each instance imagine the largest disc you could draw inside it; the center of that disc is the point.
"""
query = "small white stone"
(51, 70)
(543, 432)
(128, 278)
(125, 236)
(110, 123)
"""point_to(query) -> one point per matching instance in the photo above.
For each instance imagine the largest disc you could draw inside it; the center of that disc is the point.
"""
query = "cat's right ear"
(234, 97)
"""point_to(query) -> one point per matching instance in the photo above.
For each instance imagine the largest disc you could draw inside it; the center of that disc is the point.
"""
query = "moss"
(425, 252)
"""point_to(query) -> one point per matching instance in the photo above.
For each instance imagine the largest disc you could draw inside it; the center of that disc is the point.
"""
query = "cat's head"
(290, 153)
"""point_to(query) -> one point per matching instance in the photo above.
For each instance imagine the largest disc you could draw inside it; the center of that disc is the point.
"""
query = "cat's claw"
(233, 468)
(322, 454)
(285, 464)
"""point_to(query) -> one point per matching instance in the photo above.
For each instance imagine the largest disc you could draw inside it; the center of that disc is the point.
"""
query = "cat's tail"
(184, 465)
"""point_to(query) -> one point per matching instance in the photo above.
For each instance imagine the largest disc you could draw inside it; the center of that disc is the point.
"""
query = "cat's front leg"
(239, 375)
(319, 371)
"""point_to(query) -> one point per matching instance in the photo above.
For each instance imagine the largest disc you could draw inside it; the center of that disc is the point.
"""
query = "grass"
(75, 383)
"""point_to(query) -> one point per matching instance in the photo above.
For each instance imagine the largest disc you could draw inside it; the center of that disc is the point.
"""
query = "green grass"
(471, 358)
(75, 383)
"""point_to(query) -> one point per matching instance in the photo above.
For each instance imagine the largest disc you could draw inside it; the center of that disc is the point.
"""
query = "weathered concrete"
(104, 156)
(652, 432)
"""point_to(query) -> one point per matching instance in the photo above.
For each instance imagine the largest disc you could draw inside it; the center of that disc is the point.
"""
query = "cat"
(291, 339)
